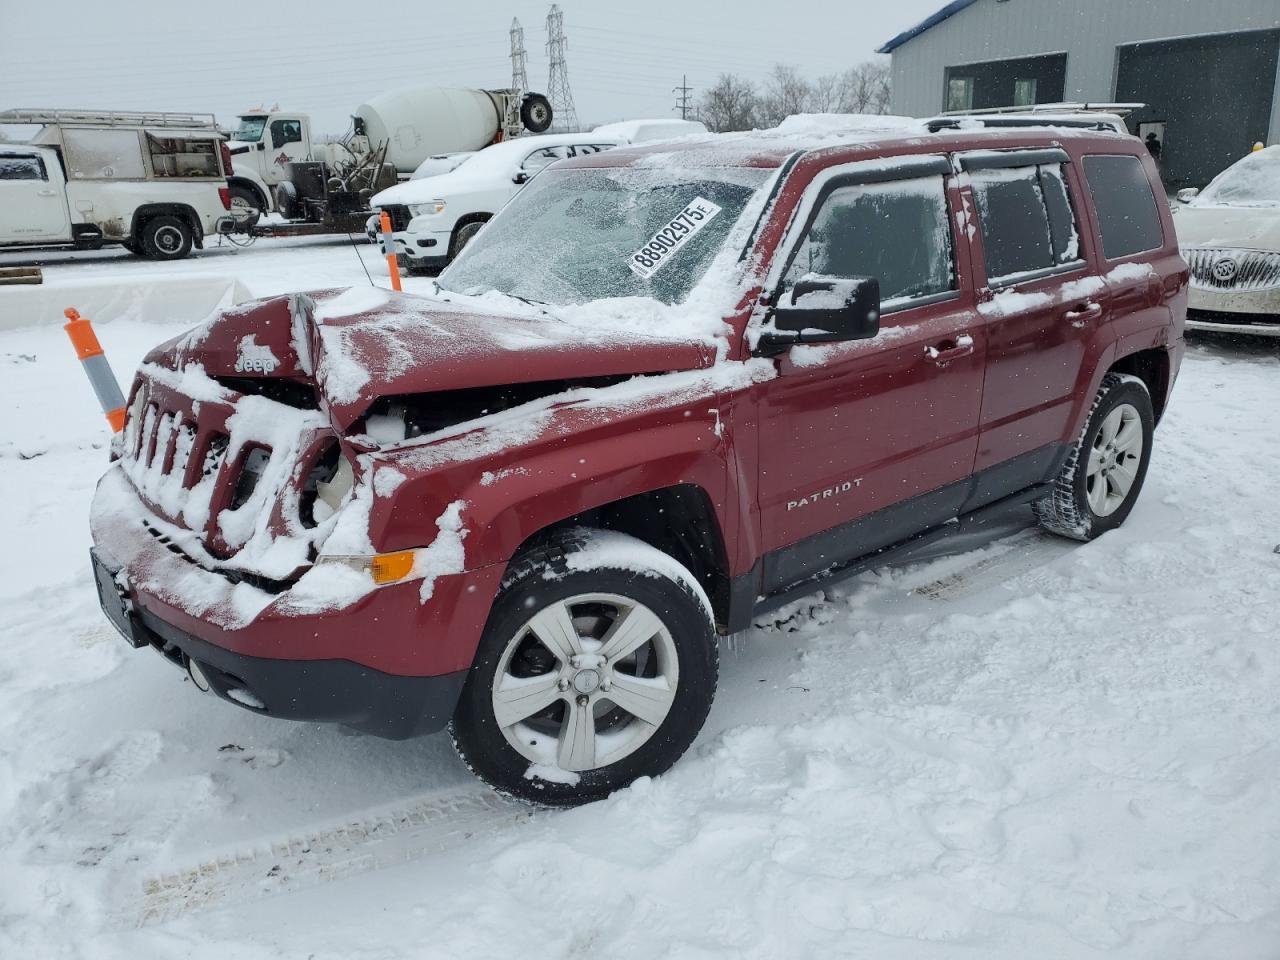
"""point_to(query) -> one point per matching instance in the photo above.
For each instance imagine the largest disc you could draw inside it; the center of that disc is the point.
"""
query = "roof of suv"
(870, 136)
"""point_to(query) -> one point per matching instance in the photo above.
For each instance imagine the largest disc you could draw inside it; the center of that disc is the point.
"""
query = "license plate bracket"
(115, 602)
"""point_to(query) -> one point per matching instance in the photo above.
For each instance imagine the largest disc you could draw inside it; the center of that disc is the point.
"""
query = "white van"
(153, 182)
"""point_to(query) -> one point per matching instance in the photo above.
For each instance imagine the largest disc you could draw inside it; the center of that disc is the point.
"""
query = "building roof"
(955, 6)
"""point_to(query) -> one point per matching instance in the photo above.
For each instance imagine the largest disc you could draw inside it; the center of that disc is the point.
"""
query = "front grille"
(1225, 268)
(399, 215)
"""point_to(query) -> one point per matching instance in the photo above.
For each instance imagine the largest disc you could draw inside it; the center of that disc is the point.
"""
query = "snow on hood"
(1255, 228)
(365, 342)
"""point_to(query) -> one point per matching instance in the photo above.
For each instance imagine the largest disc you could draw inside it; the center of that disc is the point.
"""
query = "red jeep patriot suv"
(664, 390)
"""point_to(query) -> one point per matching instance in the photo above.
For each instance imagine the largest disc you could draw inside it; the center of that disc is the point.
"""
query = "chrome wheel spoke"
(518, 698)
(629, 632)
(1111, 425)
(1129, 436)
(1121, 478)
(577, 747)
(648, 699)
(1097, 492)
(554, 628)
(1095, 461)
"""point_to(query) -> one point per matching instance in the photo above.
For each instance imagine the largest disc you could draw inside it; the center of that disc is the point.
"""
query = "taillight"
(224, 194)
(226, 158)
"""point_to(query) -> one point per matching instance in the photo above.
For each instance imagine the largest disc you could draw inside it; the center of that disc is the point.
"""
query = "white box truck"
(155, 183)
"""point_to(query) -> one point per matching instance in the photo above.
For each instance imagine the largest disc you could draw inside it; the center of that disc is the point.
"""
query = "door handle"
(949, 350)
(46, 193)
(1079, 316)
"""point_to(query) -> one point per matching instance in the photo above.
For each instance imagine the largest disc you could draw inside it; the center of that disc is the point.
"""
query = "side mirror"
(826, 309)
(261, 145)
(1187, 194)
(520, 177)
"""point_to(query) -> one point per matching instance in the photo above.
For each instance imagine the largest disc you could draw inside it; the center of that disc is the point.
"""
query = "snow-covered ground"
(1026, 748)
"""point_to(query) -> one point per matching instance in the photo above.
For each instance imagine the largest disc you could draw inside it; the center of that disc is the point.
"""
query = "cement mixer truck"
(321, 187)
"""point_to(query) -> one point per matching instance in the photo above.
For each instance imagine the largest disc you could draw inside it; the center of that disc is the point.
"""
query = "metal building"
(1207, 70)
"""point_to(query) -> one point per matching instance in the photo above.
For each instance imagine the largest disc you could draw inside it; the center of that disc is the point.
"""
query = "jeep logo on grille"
(1224, 269)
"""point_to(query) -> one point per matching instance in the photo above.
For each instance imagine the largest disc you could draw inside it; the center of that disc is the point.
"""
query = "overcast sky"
(326, 57)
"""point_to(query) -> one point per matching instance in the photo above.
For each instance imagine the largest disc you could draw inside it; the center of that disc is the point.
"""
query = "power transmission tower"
(564, 116)
(519, 72)
(682, 101)
(519, 81)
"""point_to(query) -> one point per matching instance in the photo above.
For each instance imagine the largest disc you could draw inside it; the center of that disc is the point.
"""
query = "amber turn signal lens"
(389, 567)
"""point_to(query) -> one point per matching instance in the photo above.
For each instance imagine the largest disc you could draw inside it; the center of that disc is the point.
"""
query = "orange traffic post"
(389, 248)
(96, 368)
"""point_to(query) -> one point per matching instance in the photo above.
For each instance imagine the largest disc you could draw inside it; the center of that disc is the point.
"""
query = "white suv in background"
(433, 218)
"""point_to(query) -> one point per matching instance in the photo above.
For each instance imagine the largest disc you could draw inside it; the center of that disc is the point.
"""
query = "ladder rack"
(111, 118)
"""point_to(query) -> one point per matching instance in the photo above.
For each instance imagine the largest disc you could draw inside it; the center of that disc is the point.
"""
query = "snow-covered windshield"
(1251, 182)
(250, 129)
(573, 236)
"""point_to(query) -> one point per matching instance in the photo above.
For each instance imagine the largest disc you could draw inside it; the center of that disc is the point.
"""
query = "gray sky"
(326, 57)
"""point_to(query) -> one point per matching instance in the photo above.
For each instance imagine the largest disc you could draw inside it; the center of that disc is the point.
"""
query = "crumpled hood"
(358, 345)
(1252, 228)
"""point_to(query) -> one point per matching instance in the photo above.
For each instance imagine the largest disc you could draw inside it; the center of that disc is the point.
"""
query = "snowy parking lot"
(1013, 747)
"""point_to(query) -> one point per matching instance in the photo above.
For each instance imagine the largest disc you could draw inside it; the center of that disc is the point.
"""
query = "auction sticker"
(650, 258)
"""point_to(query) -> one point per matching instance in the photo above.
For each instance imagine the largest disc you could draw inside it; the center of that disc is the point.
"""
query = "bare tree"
(786, 92)
(826, 93)
(730, 104)
(865, 88)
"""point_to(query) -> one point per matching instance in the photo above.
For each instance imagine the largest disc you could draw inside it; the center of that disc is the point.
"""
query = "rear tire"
(1102, 478)
(165, 238)
(245, 202)
(535, 113)
(590, 617)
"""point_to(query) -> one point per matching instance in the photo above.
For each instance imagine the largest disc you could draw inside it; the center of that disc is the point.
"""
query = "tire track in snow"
(1022, 556)
(320, 855)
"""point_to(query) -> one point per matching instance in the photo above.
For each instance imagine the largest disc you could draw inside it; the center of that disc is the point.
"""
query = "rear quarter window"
(1128, 218)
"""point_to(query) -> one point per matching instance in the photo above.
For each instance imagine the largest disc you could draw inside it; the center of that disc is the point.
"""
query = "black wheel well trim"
(680, 520)
(149, 211)
(1152, 367)
(466, 220)
(246, 182)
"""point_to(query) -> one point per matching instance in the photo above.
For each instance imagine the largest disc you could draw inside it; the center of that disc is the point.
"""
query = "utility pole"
(564, 116)
(682, 101)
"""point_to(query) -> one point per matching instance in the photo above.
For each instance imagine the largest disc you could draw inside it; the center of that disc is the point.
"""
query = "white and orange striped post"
(389, 248)
(96, 368)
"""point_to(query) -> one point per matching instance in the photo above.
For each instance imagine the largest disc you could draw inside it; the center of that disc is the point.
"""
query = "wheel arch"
(680, 520)
(1153, 367)
(256, 188)
(183, 211)
(466, 220)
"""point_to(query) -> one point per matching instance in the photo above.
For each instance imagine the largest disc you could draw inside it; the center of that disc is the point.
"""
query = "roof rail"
(111, 118)
(1120, 109)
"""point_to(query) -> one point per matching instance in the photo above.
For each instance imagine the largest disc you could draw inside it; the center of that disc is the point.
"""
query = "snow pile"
(1253, 181)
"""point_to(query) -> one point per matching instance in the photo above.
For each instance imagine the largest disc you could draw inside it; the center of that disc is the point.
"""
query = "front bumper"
(326, 691)
(386, 663)
(1254, 312)
(429, 249)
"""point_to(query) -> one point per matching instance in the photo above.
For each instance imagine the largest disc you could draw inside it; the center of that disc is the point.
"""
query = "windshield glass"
(250, 129)
(572, 236)
(1251, 182)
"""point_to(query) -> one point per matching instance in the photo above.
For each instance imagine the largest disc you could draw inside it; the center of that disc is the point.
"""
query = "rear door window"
(1027, 221)
(22, 166)
(1127, 215)
(897, 232)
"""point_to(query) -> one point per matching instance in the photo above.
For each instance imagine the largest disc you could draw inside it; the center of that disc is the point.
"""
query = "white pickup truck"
(153, 182)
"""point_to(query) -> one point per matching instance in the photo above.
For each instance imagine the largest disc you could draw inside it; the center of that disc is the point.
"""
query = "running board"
(898, 552)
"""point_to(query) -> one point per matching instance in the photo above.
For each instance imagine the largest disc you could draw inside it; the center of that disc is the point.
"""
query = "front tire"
(598, 665)
(166, 238)
(462, 236)
(1101, 480)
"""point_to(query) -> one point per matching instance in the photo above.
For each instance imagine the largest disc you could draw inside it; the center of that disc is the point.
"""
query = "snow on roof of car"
(812, 131)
